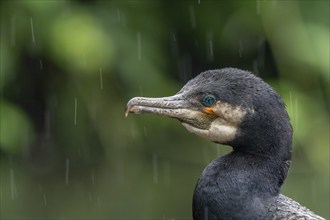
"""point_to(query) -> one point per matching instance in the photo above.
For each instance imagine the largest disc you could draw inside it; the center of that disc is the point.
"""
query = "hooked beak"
(176, 106)
(172, 106)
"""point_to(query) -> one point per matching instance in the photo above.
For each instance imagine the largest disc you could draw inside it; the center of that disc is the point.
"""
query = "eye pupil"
(209, 100)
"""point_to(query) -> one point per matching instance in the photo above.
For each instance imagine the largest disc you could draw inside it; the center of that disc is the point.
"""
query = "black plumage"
(236, 108)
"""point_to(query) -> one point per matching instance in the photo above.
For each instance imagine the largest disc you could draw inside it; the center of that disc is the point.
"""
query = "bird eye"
(208, 100)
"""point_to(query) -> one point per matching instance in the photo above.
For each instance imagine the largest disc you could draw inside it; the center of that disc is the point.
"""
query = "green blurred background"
(69, 67)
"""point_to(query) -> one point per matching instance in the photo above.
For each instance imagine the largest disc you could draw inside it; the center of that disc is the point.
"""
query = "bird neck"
(272, 153)
(240, 173)
(264, 168)
(268, 136)
(238, 182)
(276, 148)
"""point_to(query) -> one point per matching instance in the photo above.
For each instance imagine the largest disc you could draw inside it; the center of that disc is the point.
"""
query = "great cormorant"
(236, 108)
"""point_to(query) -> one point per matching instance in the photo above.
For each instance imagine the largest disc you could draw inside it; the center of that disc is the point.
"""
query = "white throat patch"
(223, 128)
(217, 132)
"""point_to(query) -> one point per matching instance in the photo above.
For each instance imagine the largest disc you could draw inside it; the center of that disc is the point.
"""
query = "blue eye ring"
(208, 100)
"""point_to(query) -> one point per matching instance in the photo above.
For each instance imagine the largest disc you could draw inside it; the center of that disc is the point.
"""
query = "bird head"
(227, 106)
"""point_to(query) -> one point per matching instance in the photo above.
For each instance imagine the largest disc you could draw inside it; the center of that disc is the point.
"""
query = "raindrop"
(118, 14)
(291, 105)
(261, 51)
(185, 67)
(155, 168)
(139, 48)
(93, 179)
(209, 40)
(13, 30)
(255, 67)
(12, 184)
(240, 48)
(45, 200)
(211, 48)
(41, 66)
(174, 38)
(47, 124)
(258, 7)
(288, 162)
(98, 202)
(32, 30)
(192, 16)
(75, 111)
(67, 167)
(296, 113)
(145, 131)
(101, 79)
(167, 173)
(174, 45)
(199, 1)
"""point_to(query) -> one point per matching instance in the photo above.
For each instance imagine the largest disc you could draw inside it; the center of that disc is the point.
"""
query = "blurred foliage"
(68, 68)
